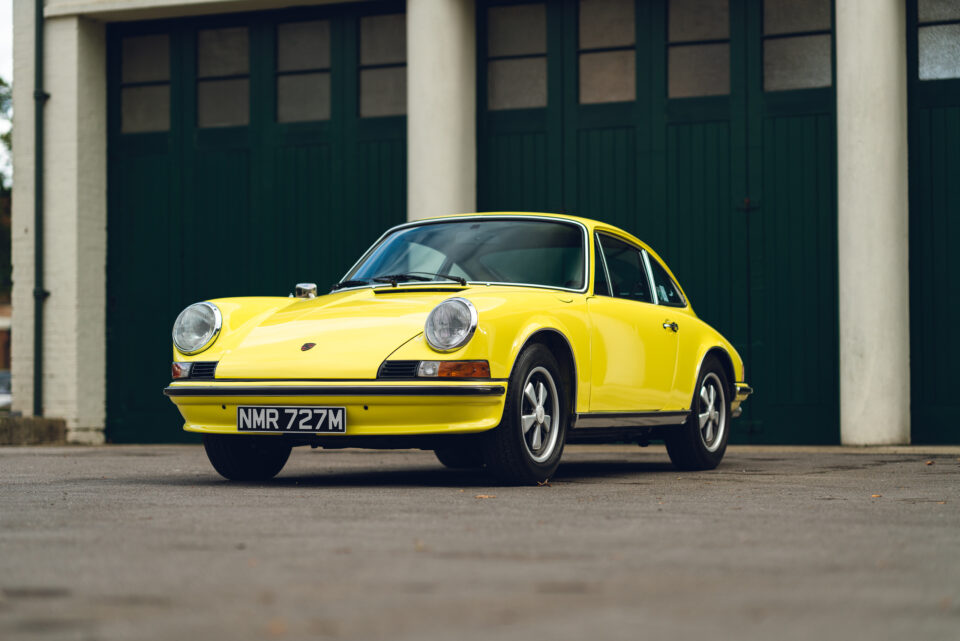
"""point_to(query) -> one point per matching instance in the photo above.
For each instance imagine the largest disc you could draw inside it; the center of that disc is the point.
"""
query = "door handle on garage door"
(671, 325)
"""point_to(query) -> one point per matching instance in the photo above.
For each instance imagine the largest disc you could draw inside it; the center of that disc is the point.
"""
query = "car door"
(633, 344)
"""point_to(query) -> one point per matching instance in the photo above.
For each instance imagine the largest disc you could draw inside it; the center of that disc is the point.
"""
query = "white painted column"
(75, 208)
(441, 108)
(872, 222)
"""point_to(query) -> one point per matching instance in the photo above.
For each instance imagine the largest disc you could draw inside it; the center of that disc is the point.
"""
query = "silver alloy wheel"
(712, 412)
(539, 414)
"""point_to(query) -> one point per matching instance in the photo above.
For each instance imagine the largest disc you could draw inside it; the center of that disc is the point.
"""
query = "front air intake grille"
(203, 370)
(398, 369)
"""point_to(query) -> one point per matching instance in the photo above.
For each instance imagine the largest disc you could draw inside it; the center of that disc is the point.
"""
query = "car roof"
(590, 223)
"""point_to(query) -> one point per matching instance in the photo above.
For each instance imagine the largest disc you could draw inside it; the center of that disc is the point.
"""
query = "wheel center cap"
(540, 414)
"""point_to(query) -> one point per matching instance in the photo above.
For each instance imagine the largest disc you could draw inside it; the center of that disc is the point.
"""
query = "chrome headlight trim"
(432, 339)
(213, 333)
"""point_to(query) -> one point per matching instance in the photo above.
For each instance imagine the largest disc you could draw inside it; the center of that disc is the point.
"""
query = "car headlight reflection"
(196, 327)
(451, 324)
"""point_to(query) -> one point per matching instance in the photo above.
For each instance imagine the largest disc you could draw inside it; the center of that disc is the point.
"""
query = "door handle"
(671, 325)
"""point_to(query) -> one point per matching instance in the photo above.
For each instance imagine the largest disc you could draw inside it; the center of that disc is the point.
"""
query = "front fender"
(240, 316)
(505, 327)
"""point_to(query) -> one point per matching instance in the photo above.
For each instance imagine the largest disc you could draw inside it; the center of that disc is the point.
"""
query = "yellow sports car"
(492, 339)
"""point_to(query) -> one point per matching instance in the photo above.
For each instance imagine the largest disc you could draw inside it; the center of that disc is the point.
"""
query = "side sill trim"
(343, 390)
(629, 419)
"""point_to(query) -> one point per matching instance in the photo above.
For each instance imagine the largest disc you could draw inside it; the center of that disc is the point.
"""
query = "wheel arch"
(559, 345)
(726, 362)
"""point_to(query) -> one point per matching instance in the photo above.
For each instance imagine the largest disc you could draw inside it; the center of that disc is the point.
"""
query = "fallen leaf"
(277, 628)
(485, 496)
(545, 483)
(876, 496)
(941, 502)
(929, 462)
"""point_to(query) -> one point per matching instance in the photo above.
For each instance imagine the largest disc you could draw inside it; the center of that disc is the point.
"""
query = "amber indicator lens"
(180, 370)
(464, 369)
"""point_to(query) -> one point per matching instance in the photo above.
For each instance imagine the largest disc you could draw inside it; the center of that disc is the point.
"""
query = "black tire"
(512, 455)
(246, 458)
(465, 454)
(696, 445)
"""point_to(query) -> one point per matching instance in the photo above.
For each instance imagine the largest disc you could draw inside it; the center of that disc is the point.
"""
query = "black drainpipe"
(39, 293)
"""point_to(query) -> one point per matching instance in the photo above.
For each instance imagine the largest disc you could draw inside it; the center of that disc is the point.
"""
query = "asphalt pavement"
(147, 542)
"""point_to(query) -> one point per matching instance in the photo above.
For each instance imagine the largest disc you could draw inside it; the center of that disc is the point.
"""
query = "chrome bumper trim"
(340, 390)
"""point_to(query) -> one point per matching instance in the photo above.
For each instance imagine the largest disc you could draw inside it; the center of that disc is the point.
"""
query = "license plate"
(295, 420)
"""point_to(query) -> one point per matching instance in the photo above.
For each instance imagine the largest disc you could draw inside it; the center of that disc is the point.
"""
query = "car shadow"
(414, 476)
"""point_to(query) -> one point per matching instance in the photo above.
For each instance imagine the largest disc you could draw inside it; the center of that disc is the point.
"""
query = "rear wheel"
(699, 444)
(246, 458)
(528, 443)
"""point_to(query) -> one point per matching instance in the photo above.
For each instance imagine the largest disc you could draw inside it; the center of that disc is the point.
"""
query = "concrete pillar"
(75, 185)
(441, 107)
(872, 222)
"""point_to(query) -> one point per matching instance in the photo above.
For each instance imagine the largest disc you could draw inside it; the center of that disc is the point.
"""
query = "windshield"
(528, 252)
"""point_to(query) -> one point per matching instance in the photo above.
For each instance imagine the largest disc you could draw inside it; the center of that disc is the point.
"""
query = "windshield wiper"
(347, 283)
(393, 279)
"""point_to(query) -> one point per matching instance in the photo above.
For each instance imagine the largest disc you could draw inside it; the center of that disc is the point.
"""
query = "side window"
(628, 279)
(667, 292)
(600, 287)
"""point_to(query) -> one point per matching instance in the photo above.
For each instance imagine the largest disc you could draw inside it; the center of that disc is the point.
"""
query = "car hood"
(352, 332)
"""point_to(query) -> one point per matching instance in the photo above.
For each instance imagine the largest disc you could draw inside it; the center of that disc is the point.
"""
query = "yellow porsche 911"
(491, 339)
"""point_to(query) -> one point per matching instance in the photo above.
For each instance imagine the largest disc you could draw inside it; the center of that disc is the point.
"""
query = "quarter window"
(600, 286)
(628, 279)
(667, 291)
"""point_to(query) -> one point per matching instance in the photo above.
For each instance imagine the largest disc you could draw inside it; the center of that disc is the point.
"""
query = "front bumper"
(743, 392)
(372, 408)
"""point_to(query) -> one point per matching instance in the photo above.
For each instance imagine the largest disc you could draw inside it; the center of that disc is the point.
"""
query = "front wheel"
(699, 444)
(528, 443)
(246, 458)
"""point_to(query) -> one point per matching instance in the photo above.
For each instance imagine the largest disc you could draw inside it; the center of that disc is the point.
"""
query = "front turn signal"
(454, 369)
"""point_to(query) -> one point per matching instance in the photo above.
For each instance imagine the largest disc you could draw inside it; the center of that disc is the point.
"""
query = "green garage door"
(707, 128)
(933, 45)
(247, 153)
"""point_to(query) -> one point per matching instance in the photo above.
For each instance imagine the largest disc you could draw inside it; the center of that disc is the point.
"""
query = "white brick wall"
(75, 226)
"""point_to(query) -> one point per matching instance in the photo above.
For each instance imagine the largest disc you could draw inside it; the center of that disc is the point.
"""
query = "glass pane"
(145, 58)
(627, 275)
(606, 23)
(609, 76)
(302, 97)
(699, 70)
(144, 109)
(512, 251)
(699, 20)
(517, 30)
(791, 16)
(940, 52)
(303, 45)
(517, 84)
(796, 63)
(931, 10)
(600, 287)
(222, 52)
(383, 92)
(223, 103)
(667, 292)
(383, 39)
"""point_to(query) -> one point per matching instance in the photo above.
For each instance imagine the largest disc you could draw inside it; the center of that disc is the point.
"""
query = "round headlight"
(451, 324)
(196, 328)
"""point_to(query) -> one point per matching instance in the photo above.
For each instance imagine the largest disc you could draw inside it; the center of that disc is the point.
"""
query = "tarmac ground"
(148, 542)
